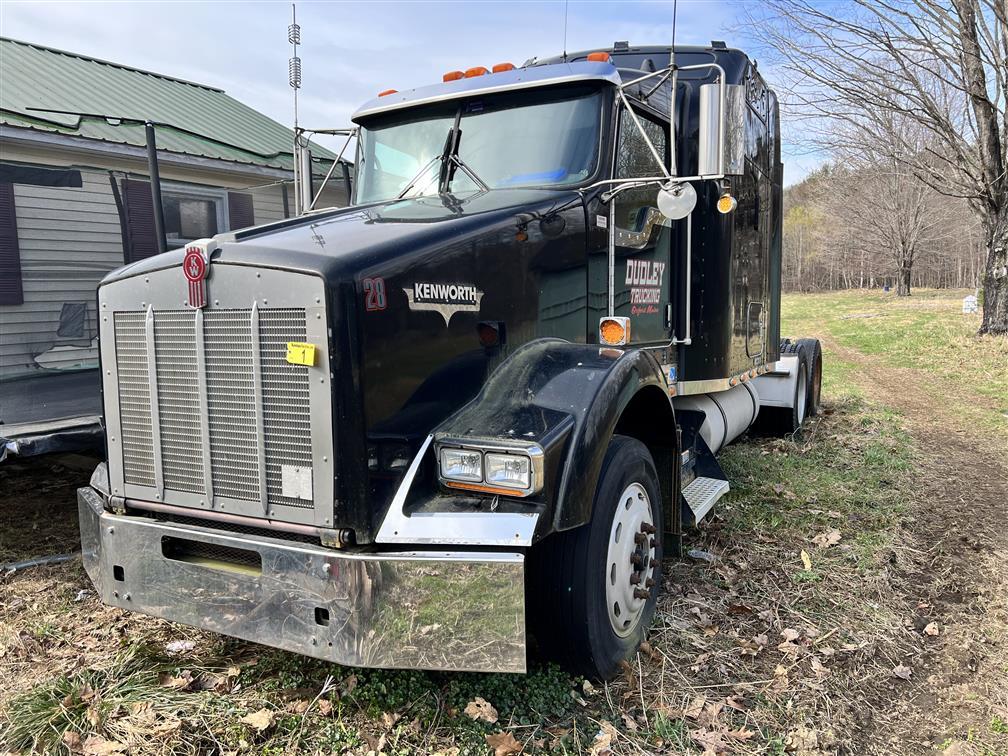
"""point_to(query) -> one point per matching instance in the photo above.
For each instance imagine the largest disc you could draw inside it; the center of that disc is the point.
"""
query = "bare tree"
(939, 65)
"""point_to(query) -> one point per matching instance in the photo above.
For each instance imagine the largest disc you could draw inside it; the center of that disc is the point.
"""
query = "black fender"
(569, 399)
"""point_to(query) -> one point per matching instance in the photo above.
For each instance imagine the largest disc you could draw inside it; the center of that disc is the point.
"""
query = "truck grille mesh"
(134, 399)
(286, 415)
(229, 372)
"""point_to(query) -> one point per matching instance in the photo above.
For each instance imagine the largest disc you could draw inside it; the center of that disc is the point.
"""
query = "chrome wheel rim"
(802, 393)
(629, 566)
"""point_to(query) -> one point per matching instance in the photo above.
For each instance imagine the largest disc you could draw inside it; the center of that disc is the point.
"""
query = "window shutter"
(11, 292)
(140, 220)
(240, 214)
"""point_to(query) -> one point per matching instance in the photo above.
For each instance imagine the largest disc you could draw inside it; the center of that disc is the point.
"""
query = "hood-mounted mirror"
(676, 200)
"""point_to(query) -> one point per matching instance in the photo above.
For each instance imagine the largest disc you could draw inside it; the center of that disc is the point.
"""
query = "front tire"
(594, 589)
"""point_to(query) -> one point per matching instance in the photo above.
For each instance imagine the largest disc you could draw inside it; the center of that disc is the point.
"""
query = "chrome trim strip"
(155, 413)
(258, 394)
(519, 78)
(357, 608)
(452, 528)
(204, 409)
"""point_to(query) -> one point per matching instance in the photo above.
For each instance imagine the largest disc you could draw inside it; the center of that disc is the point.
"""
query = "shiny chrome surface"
(519, 78)
(361, 609)
(203, 409)
(452, 528)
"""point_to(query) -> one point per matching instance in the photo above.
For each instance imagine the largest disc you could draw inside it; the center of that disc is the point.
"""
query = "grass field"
(830, 609)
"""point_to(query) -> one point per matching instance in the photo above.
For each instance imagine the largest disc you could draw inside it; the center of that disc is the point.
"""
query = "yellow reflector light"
(614, 331)
(726, 203)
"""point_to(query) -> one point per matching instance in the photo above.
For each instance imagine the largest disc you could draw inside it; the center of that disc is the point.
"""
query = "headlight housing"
(508, 471)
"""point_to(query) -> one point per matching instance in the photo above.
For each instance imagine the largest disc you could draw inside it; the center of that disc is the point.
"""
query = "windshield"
(506, 141)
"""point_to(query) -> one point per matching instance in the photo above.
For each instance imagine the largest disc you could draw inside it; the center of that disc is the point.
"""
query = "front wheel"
(594, 589)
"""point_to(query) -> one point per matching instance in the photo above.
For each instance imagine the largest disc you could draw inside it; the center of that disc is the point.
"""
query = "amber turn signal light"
(726, 203)
(614, 331)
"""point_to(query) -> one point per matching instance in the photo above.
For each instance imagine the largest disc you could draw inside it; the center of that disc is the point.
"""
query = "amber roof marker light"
(453, 76)
(476, 71)
(502, 67)
(599, 57)
(386, 92)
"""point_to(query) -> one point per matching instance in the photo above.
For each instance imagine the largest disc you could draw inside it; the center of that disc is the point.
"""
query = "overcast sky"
(352, 50)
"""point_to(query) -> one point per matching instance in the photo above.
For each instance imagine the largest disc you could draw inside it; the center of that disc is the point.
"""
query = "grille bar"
(208, 487)
(155, 417)
(257, 384)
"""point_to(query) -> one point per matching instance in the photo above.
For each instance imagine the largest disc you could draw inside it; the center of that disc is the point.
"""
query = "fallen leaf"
(818, 668)
(374, 744)
(931, 628)
(602, 744)
(96, 745)
(588, 688)
(741, 734)
(778, 488)
(629, 722)
(72, 741)
(651, 651)
(260, 720)
(503, 744)
(902, 671)
(325, 707)
(182, 682)
(298, 707)
(806, 560)
(827, 538)
(790, 634)
(481, 709)
(695, 709)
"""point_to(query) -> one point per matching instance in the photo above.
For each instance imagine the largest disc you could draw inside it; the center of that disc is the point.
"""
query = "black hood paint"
(335, 243)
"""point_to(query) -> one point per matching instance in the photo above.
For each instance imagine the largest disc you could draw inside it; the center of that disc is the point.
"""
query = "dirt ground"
(960, 570)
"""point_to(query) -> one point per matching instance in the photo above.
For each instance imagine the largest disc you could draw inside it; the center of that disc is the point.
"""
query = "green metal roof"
(193, 119)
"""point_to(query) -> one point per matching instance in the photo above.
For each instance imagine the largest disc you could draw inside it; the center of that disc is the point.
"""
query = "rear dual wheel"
(594, 589)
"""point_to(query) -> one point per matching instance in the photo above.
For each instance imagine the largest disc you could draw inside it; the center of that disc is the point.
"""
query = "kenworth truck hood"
(403, 293)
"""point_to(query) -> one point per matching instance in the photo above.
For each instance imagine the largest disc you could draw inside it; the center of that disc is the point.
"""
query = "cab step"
(702, 494)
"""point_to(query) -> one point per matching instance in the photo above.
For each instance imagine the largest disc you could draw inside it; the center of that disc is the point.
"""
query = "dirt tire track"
(957, 576)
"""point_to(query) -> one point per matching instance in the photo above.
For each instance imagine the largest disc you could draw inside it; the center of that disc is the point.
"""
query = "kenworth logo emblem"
(195, 268)
(444, 298)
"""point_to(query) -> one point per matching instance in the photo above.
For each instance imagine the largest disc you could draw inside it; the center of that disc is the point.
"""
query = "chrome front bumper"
(427, 609)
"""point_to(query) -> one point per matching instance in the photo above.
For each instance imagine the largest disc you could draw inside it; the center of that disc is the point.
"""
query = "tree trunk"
(903, 282)
(995, 280)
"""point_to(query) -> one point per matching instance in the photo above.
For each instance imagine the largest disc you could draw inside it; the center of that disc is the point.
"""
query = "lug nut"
(649, 583)
(651, 543)
(640, 539)
(635, 559)
(634, 579)
(647, 527)
(641, 593)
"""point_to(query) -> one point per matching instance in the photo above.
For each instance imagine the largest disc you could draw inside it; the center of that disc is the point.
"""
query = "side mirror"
(676, 200)
(711, 117)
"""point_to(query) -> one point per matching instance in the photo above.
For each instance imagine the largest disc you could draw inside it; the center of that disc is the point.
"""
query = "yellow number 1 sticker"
(299, 353)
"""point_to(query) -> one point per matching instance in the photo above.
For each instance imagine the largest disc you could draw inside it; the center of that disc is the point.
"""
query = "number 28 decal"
(374, 294)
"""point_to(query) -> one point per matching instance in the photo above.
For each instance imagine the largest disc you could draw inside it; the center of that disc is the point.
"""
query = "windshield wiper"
(420, 174)
(453, 160)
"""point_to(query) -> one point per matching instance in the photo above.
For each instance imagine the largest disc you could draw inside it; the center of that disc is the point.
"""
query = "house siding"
(69, 239)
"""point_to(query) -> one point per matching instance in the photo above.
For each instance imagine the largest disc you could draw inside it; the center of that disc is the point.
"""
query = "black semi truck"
(479, 405)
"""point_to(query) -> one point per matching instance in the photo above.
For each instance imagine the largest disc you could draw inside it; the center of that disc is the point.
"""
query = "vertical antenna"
(565, 32)
(675, 9)
(294, 78)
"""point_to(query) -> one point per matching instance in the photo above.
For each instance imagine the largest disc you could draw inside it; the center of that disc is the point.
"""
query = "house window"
(191, 215)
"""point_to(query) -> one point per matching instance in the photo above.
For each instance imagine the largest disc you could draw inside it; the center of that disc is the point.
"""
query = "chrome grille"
(286, 415)
(231, 403)
(178, 400)
(207, 379)
(134, 399)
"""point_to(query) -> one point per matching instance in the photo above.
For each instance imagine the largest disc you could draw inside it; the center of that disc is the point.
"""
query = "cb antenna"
(294, 64)
(302, 158)
(565, 32)
(675, 9)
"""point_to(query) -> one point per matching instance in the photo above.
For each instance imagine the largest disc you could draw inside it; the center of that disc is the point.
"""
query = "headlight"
(508, 470)
(462, 465)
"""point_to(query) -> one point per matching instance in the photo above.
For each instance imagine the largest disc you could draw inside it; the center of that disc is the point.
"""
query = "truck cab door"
(643, 236)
